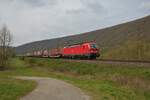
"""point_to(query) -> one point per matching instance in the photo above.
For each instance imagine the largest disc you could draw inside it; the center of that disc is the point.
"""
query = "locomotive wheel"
(91, 57)
(72, 57)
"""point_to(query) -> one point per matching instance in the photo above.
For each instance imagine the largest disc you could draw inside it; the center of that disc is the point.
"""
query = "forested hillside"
(109, 39)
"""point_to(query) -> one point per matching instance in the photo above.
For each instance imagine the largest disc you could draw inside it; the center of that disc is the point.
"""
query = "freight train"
(86, 50)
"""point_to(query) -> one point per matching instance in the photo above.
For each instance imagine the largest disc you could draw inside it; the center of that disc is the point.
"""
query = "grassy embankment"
(101, 81)
(11, 88)
(132, 49)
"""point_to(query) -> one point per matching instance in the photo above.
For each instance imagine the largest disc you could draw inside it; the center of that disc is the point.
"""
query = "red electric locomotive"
(85, 50)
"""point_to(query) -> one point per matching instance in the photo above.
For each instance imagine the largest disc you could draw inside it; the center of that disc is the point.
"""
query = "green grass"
(12, 89)
(101, 81)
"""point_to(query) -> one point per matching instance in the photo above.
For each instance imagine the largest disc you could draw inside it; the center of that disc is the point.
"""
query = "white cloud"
(31, 20)
(146, 5)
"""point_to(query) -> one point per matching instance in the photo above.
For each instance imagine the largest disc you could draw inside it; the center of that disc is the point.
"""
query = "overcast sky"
(31, 20)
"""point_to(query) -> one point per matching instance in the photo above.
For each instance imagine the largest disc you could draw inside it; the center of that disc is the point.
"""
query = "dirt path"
(53, 89)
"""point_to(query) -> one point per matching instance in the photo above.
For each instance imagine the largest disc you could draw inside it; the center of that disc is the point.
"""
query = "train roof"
(76, 44)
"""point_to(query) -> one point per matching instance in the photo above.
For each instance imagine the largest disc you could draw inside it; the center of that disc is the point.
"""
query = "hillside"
(105, 38)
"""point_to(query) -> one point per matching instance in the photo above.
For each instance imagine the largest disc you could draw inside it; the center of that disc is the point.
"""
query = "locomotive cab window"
(94, 46)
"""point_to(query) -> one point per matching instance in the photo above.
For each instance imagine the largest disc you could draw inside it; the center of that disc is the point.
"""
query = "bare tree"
(5, 41)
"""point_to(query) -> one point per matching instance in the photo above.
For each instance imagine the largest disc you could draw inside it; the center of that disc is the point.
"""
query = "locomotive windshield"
(94, 46)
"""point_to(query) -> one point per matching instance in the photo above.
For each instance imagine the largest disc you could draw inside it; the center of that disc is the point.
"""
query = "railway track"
(113, 61)
(105, 60)
(128, 61)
